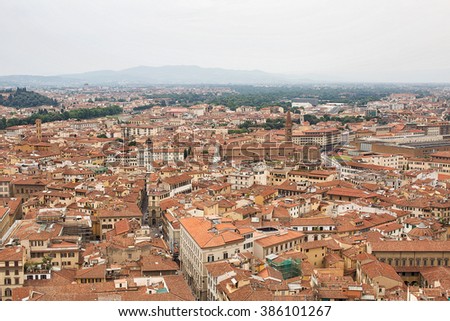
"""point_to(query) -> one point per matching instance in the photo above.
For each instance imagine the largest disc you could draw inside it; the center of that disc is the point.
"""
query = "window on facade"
(225, 255)
(16, 280)
(7, 281)
(210, 258)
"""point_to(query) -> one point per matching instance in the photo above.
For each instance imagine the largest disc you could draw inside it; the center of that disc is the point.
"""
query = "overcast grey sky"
(348, 38)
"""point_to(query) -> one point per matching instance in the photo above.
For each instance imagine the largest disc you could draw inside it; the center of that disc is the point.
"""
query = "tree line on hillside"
(264, 96)
(85, 113)
(313, 119)
(277, 123)
(21, 98)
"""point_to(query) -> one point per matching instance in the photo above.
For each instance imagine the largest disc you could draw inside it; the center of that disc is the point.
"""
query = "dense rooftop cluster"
(184, 203)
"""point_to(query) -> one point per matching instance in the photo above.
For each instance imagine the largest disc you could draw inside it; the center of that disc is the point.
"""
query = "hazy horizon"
(349, 40)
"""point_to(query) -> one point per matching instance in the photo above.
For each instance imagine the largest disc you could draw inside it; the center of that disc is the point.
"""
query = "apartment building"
(5, 187)
(107, 217)
(315, 176)
(137, 131)
(12, 261)
(409, 257)
(275, 244)
(203, 241)
(240, 180)
(178, 184)
(326, 138)
(155, 196)
(315, 228)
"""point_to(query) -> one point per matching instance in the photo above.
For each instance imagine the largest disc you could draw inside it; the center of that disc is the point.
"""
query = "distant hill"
(180, 75)
(194, 75)
(22, 98)
(144, 75)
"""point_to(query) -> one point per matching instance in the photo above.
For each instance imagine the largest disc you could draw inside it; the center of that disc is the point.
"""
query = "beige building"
(381, 275)
(317, 251)
(95, 274)
(4, 220)
(323, 137)
(155, 196)
(203, 241)
(315, 176)
(277, 176)
(240, 180)
(278, 243)
(316, 228)
(409, 257)
(5, 187)
(43, 242)
(108, 217)
(386, 160)
(12, 260)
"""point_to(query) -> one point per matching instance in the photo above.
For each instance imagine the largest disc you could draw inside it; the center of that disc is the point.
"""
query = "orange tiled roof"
(279, 239)
(201, 230)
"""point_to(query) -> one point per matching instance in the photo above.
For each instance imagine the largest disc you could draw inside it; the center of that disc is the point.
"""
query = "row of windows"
(91, 280)
(8, 272)
(248, 245)
(11, 263)
(36, 255)
(282, 247)
(71, 254)
(26, 191)
(415, 262)
(8, 281)
(225, 254)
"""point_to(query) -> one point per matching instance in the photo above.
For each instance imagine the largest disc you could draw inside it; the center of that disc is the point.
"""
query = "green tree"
(3, 123)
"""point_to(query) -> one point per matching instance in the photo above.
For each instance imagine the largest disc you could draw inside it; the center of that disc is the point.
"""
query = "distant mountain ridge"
(144, 75)
(195, 75)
